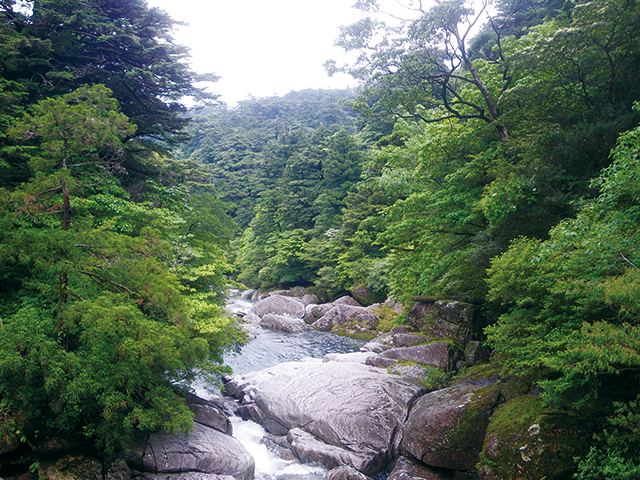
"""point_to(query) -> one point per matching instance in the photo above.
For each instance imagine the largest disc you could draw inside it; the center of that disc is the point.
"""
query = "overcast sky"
(262, 48)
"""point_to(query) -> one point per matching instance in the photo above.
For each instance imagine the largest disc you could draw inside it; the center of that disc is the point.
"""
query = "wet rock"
(205, 450)
(283, 323)
(354, 407)
(406, 469)
(284, 293)
(413, 371)
(209, 415)
(446, 428)
(345, 472)
(364, 296)
(309, 449)
(257, 296)
(379, 361)
(366, 320)
(314, 312)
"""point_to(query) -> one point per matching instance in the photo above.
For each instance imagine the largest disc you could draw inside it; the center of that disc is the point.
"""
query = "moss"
(388, 317)
(479, 374)
(529, 441)
(350, 330)
(470, 430)
(436, 378)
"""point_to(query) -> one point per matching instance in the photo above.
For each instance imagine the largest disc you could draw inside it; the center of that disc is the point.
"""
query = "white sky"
(262, 48)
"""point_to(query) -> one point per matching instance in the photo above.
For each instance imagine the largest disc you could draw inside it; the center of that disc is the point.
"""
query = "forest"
(498, 163)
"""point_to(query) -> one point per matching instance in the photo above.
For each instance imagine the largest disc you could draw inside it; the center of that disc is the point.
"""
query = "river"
(269, 348)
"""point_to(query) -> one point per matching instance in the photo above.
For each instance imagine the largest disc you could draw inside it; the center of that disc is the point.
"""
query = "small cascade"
(269, 466)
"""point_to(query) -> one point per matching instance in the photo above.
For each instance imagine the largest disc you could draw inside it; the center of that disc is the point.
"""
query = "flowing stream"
(269, 348)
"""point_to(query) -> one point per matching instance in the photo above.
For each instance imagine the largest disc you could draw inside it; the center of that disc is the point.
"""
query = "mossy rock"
(446, 428)
(365, 296)
(528, 441)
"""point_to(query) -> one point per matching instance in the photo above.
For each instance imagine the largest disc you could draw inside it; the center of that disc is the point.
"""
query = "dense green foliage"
(112, 263)
(495, 161)
(107, 312)
(291, 168)
(509, 178)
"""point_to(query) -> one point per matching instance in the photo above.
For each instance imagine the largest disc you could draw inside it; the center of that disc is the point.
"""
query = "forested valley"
(497, 164)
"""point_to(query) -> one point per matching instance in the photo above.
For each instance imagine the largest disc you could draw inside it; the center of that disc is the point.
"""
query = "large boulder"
(526, 440)
(349, 406)
(209, 414)
(345, 472)
(204, 450)
(278, 305)
(338, 315)
(446, 428)
(442, 319)
(442, 355)
(313, 311)
(283, 323)
(407, 469)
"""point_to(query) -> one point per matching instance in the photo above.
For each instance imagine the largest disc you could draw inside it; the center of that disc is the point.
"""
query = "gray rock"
(251, 318)
(374, 346)
(283, 293)
(442, 355)
(475, 352)
(406, 469)
(284, 323)
(118, 470)
(380, 362)
(346, 300)
(346, 473)
(209, 415)
(446, 428)
(454, 320)
(182, 476)
(257, 296)
(366, 320)
(313, 312)
(408, 339)
(246, 295)
(345, 405)
(309, 299)
(279, 305)
(311, 450)
(205, 450)
(254, 413)
(413, 371)
(338, 315)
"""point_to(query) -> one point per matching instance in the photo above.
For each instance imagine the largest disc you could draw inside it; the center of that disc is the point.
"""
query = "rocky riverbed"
(392, 405)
